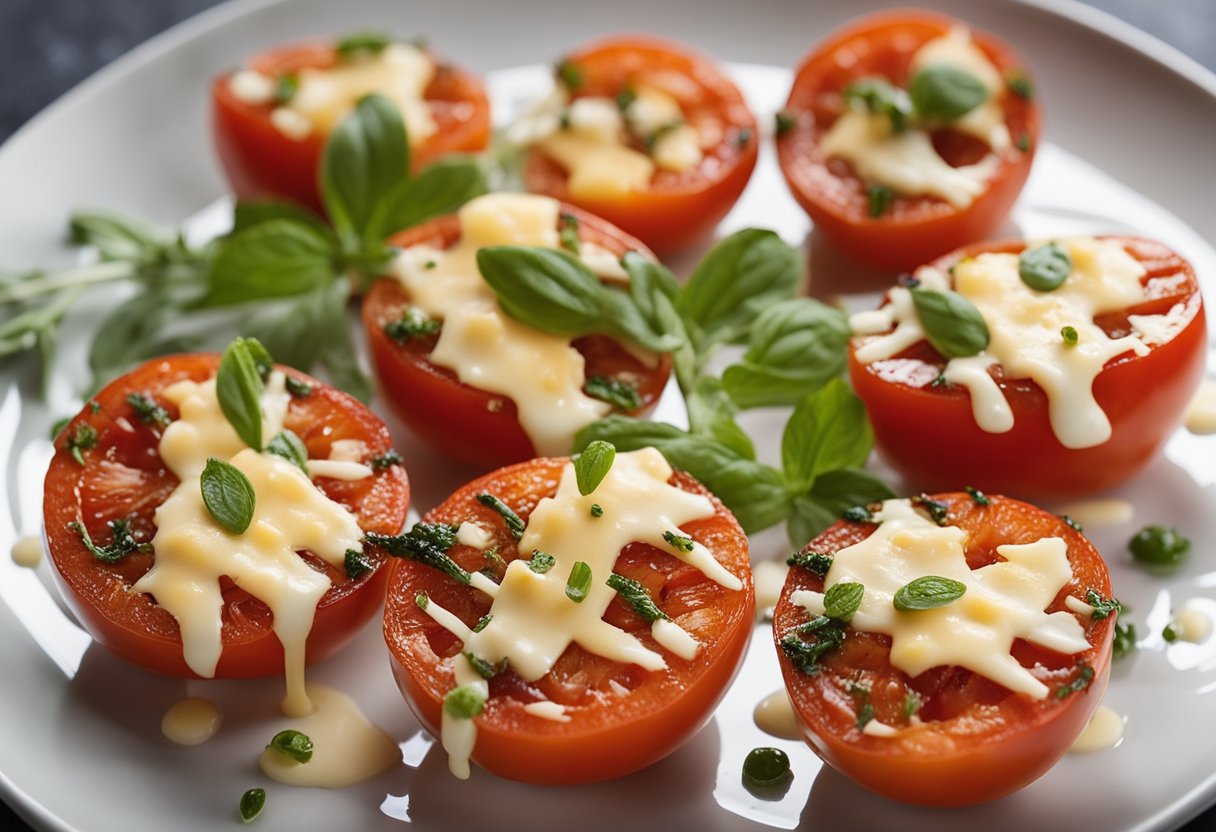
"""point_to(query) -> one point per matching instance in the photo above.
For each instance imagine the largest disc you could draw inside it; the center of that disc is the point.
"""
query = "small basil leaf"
(941, 92)
(592, 465)
(228, 495)
(828, 430)
(579, 582)
(654, 290)
(273, 259)
(370, 43)
(808, 517)
(294, 744)
(711, 413)
(367, 155)
(439, 189)
(842, 600)
(238, 386)
(952, 324)
(289, 446)
(1044, 268)
(878, 95)
(252, 803)
(795, 347)
(928, 592)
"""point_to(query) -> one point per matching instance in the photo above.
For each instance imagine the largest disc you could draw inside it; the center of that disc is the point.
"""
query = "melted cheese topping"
(532, 621)
(1095, 513)
(400, 72)
(1004, 601)
(907, 162)
(1024, 328)
(1104, 730)
(775, 716)
(1201, 413)
(192, 721)
(192, 552)
(597, 169)
(27, 552)
(483, 345)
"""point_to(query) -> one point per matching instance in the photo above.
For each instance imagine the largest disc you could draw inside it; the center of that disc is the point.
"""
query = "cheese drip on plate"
(1003, 601)
(532, 620)
(193, 552)
(400, 72)
(906, 161)
(1024, 327)
(487, 349)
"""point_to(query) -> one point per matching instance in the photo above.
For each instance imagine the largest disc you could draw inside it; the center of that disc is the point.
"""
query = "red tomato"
(464, 422)
(978, 740)
(928, 433)
(261, 161)
(676, 208)
(610, 733)
(124, 478)
(913, 229)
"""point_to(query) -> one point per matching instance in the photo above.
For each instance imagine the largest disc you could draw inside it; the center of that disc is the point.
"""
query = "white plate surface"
(82, 747)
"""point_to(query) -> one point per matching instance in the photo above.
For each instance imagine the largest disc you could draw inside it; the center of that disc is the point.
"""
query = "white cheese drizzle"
(191, 721)
(1003, 600)
(1201, 413)
(27, 551)
(1104, 730)
(1024, 327)
(774, 715)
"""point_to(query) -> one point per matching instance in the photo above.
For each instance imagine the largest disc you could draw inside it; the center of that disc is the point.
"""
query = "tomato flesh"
(125, 478)
(978, 741)
(928, 433)
(913, 229)
(260, 161)
(465, 422)
(678, 207)
(622, 718)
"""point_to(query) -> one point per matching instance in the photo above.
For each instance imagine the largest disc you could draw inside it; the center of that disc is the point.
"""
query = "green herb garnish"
(1072, 524)
(941, 92)
(238, 386)
(568, 235)
(623, 395)
(286, 87)
(290, 447)
(785, 122)
(765, 766)
(857, 514)
(1161, 547)
(626, 97)
(1124, 641)
(928, 592)
(592, 465)
(579, 582)
(912, 703)
(878, 95)
(1170, 633)
(293, 744)
(1084, 676)
(426, 543)
(412, 324)
(514, 524)
(1044, 268)
(485, 669)
(842, 600)
(952, 324)
(464, 702)
(1103, 607)
(878, 199)
(83, 438)
(541, 562)
(978, 497)
(597, 510)
(147, 410)
(228, 495)
(1023, 142)
(818, 563)
(362, 43)
(570, 74)
(937, 510)
(357, 564)
(635, 595)
(826, 634)
(482, 623)
(252, 803)
(122, 542)
(387, 459)
(1019, 84)
(296, 388)
(679, 542)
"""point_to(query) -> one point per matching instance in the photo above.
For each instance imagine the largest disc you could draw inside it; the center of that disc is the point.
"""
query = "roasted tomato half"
(684, 200)
(892, 230)
(266, 153)
(950, 736)
(121, 477)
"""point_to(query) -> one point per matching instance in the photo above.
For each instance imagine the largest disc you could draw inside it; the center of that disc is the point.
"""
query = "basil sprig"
(941, 92)
(1044, 268)
(842, 600)
(238, 386)
(928, 592)
(228, 495)
(952, 324)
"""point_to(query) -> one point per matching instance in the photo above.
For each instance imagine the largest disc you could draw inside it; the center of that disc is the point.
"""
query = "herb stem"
(107, 272)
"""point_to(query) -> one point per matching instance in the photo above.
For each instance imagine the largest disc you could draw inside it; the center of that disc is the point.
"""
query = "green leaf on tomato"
(952, 324)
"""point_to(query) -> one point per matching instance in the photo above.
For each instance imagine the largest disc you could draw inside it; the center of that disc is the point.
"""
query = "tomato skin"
(609, 735)
(913, 229)
(979, 740)
(125, 477)
(930, 436)
(259, 161)
(464, 422)
(677, 208)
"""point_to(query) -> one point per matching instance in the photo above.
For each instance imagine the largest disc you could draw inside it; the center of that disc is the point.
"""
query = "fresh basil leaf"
(754, 492)
(293, 744)
(592, 465)
(952, 324)
(238, 386)
(796, 346)
(833, 495)
(711, 413)
(739, 278)
(369, 43)
(842, 600)
(365, 159)
(808, 517)
(828, 430)
(1044, 268)
(876, 94)
(115, 237)
(131, 333)
(654, 289)
(273, 259)
(941, 92)
(251, 212)
(928, 592)
(289, 446)
(439, 189)
(228, 495)
(551, 291)
(621, 394)
(337, 349)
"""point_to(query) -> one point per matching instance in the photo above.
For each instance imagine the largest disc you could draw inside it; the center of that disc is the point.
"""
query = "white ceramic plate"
(82, 747)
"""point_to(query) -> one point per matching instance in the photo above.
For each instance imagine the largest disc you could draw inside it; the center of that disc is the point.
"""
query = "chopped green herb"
(1023, 142)
(83, 438)
(357, 564)
(579, 582)
(58, 426)
(1170, 634)
(422, 600)
(679, 542)
(297, 388)
(495, 560)
(880, 96)
(786, 121)
(286, 87)
(597, 510)
(482, 623)
(1103, 607)
(563, 121)
(568, 235)
(912, 703)
(362, 43)
(426, 543)
(743, 137)
(147, 410)
(978, 497)
(94, 406)
(938, 511)
(818, 563)
(928, 592)
(1124, 641)
(941, 92)
(827, 634)
(622, 394)
(386, 459)
(1161, 547)
(464, 702)
(570, 74)
(765, 766)
(1072, 524)
(1019, 84)
(857, 514)
(228, 495)
(514, 524)
(122, 542)
(593, 464)
(541, 562)
(293, 744)
(842, 600)
(290, 447)
(865, 715)
(485, 669)
(940, 381)
(1044, 268)
(635, 595)
(252, 803)
(413, 324)
(1084, 676)
(626, 97)
(878, 199)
